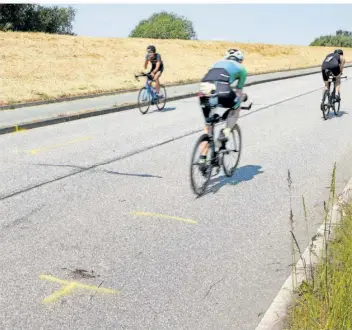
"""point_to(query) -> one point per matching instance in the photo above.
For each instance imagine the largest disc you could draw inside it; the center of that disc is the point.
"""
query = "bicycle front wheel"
(336, 107)
(144, 100)
(203, 169)
(231, 155)
(161, 100)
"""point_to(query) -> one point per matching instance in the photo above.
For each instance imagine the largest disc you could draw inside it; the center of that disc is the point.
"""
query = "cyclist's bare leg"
(233, 116)
(326, 83)
(204, 146)
(232, 119)
(157, 83)
(338, 84)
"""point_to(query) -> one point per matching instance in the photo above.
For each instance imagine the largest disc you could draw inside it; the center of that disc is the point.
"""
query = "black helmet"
(338, 51)
(151, 48)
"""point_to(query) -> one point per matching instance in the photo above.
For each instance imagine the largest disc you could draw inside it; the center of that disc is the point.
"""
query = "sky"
(287, 24)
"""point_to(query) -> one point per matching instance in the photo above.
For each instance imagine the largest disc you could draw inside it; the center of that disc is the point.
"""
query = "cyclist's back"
(236, 71)
(222, 74)
(332, 60)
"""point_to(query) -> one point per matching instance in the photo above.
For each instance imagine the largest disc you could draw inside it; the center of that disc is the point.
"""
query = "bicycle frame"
(332, 79)
(330, 95)
(148, 86)
(215, 118)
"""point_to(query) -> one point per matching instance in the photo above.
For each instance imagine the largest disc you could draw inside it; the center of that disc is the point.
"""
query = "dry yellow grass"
(38, 66)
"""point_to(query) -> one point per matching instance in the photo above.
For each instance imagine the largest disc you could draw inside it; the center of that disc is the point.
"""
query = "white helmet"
(234, 54)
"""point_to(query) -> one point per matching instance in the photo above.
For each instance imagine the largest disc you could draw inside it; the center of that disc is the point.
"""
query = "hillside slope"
(37, 66)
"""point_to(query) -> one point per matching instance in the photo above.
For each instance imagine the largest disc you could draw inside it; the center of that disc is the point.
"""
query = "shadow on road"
(134, 174)
(106, 171)
(332, 114)
(341, 113)
(164, 110)
(244, 173)
(60, 165)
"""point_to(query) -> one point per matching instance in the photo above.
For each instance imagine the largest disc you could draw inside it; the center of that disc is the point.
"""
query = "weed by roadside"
(324, 299)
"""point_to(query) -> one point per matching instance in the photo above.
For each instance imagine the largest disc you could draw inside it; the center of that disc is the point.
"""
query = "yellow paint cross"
(68, 287)
(40, 149)
(164, 216)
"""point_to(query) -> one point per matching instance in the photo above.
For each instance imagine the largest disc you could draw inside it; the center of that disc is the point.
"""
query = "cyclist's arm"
(342, 63)
(146, 62)
(241, 81)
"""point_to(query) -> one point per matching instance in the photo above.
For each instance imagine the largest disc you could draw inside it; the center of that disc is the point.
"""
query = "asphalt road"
(71, 194)
(29, 114)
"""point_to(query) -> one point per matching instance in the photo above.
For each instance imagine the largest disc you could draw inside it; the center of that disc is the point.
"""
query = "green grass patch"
(324, 302)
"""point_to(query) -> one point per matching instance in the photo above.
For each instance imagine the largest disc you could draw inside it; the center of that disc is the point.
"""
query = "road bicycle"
(147, 94)
(218, 153)
(329, 94)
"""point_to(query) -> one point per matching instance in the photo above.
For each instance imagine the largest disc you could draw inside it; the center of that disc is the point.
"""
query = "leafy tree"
(164, 25)
(57, 20)
(36, 18)
(340, 39)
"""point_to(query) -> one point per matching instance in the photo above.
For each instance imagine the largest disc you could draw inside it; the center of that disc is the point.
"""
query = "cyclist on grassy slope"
(218, 79)
(157, 66)
(335, 63)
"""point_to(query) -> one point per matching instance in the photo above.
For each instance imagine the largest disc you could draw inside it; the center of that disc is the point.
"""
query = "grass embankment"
(38, 66)
(325, 302)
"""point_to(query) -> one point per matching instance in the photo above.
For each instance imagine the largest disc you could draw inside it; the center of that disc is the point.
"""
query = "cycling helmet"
(234, 55)
(151, 48)
(338, 51)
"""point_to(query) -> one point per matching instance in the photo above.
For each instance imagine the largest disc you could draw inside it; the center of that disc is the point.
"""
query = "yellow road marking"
(164, 216)
(19, 129)
(68, 287)
(35, 151)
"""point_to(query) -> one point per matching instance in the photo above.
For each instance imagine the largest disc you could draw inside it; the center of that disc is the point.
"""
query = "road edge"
(275, 316)
(92, 96)
(21, 126)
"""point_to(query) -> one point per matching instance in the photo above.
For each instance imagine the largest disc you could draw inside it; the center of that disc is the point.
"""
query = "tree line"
(36, 18)
(340, 39)
(162, 25)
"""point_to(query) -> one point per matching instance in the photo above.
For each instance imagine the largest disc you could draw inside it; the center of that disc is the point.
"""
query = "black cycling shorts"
(161, 69)
(226, 97)
(333, 67)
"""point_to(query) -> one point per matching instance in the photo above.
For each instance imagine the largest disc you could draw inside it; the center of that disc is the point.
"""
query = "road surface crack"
(213, 286)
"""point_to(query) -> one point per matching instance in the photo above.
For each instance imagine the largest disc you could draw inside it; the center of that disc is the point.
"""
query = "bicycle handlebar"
(247, 108)
(143, 75)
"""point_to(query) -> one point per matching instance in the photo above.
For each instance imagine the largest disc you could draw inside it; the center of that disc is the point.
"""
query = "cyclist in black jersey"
(157, 65)
(333, 62)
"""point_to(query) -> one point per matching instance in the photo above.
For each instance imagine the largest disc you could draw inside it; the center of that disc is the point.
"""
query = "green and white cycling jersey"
(236, 71)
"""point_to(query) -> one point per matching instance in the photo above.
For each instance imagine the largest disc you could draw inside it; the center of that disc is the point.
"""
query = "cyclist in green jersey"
(219, 78)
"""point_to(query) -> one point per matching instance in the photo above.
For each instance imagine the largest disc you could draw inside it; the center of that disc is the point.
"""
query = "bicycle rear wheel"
(144, 99)
(233, 151)
(325, 108)
(205, 169)
(161, 101)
